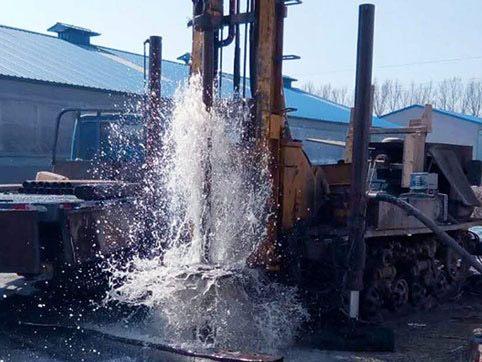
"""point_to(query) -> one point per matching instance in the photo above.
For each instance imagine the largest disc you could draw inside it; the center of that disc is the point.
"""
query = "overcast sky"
(415, 40)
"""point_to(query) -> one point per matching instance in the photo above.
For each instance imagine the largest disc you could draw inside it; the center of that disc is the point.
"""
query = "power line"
(435, 61)
(416, 84)
(403, 86)
(430, 62)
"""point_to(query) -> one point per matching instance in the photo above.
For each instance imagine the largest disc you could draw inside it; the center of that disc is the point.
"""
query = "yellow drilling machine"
(385, 229)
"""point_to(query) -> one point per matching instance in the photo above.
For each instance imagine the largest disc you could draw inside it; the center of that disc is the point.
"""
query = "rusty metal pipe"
(237, 54)
(153, 124)
(208, 68)
(253, 46)
(155, 59)
(245, 51)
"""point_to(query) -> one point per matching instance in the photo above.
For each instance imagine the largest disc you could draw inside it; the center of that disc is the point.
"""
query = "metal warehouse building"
(41, 74)
(320, 118)
(447, 127)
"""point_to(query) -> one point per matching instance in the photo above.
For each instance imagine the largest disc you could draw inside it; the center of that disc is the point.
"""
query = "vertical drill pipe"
(359, 169)
(153, 127)
(208, 83)
(209, 67)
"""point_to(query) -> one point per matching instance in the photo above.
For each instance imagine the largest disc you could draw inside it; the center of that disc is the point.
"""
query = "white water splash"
(223, 304)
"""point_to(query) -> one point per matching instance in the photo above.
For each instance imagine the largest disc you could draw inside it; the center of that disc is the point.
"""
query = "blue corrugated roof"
(312, 106)
(31, 55)
(464, 117)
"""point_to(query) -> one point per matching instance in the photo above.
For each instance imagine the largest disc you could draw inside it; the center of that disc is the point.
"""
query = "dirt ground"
(441, 334)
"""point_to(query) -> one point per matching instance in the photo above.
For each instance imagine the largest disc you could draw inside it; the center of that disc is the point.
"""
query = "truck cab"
(104, 145)
(47, 222)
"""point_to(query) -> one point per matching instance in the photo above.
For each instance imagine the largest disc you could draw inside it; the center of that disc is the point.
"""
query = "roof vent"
(288, 81)
(73, 34)
(186, 57)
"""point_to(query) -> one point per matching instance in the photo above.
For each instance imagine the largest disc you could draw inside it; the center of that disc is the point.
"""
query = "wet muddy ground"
(441, 334)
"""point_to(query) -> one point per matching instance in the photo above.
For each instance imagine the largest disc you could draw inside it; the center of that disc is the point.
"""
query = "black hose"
(429, 223)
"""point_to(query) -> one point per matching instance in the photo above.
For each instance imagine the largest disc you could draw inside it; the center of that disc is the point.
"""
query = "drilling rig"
(387, 227)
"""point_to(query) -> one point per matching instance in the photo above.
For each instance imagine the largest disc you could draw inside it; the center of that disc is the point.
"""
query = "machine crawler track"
(412, 271)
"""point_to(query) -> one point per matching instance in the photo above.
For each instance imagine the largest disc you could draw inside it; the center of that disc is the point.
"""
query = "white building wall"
(445, 128)
(319, 153)
(27, 121)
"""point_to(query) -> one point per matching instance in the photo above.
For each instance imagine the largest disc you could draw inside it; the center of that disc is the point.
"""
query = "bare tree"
(451, 94)
(380, 98)
(413, 94)
(407, 95)
(309, 87)
(455, 93)
(465, 98)
(473, 98)
(426, 94)
(443, 94)
(326, 91)
(417, 94)
(395, 95)
(339, 95)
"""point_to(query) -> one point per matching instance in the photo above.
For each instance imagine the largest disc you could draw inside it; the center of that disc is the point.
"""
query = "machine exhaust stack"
(359, 170)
